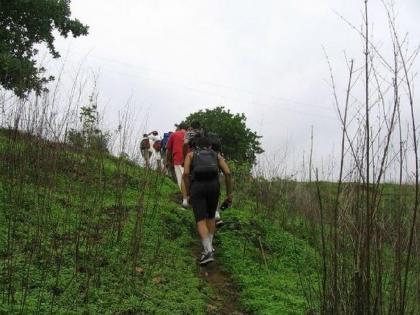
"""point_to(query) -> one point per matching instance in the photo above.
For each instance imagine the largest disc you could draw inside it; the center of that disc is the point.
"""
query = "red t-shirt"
(175, 144)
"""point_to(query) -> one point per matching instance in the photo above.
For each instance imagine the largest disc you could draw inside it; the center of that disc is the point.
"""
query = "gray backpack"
(205, 165)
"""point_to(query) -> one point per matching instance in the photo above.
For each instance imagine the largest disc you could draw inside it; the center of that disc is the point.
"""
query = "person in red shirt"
(175, 157)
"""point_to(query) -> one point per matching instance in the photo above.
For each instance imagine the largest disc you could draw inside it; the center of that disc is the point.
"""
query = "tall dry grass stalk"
(370, 253)
(35, 158)
(364, 224)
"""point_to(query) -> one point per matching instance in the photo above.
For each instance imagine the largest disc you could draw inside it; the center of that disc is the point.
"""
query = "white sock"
(185, 201)
(211, 236)
(217, 215)
(206, 245)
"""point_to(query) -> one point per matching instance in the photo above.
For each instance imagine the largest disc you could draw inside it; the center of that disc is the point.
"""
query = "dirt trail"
(225, 299)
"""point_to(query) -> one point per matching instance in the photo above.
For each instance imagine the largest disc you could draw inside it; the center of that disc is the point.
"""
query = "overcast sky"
(263, 58)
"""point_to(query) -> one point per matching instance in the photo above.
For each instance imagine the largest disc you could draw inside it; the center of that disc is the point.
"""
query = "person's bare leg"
(146, 159)
(211, 228)
(211, 225)
(184, 194)
(204, 235)
(149, 156)
(183, 189)
(202, 228)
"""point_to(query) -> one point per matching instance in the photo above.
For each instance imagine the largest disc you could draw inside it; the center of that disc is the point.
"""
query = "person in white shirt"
(156, 148)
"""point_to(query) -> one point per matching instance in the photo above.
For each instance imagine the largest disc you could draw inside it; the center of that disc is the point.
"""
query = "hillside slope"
(83, 232)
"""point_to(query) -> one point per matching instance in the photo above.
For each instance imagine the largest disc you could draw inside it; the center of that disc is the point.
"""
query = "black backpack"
(205, 165)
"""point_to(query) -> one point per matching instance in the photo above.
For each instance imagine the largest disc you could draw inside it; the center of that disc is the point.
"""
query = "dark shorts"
(204, 198)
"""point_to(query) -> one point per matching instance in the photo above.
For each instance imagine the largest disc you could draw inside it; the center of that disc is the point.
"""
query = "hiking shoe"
(206, 258)
(226, 204)
(219, 223)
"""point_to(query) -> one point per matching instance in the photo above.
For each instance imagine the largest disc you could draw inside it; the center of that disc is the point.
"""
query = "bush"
(90, 136)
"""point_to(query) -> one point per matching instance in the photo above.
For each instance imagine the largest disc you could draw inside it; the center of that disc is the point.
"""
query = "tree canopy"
(238, 141)
(24, 24)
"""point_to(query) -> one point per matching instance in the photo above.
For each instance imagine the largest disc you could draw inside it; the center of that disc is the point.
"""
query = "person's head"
(155, 133)
(216, 145)
(203, 142)
(195, 124)
(215, 141)
(182, 126)
(145, 135)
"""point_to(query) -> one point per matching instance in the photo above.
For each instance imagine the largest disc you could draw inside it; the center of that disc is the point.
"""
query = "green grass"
(280, 278)
(67, 256)
(54, 197)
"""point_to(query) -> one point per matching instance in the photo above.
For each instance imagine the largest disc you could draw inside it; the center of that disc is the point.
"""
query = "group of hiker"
(193, 158)
(151, 146)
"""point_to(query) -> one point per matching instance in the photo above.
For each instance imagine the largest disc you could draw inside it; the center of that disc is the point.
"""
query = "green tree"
(238, 141)
(24, 24)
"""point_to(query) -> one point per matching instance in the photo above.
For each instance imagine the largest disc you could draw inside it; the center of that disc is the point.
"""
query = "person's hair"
(215, 141)
(195, 125)
(203, 142)
(216, 146)
(145, 135)
(155, 133)
(182, 126)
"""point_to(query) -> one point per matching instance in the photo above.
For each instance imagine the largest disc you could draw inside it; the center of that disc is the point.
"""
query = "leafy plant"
(24, 24)
(90, 136)
(238, 141)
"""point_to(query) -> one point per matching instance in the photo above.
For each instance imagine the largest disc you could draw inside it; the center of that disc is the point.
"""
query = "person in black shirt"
(201, 176)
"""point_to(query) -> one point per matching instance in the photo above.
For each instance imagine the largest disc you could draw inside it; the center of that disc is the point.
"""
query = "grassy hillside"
(95, 234)
(82, 232)
(275, 271)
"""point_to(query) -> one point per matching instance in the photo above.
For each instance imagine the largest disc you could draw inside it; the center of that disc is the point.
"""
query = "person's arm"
(185, 150)
(186, 144)
(228, 178)
(186, 175)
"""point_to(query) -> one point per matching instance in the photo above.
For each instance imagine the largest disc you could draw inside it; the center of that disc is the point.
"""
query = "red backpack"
(145, 144)
(157, 145)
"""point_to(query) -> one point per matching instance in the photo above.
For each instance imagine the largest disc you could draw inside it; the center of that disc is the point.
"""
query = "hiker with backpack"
(194, 131)
(201, 177)
(167, 167)
(157, 146)
(146, 153)
(150, 145)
